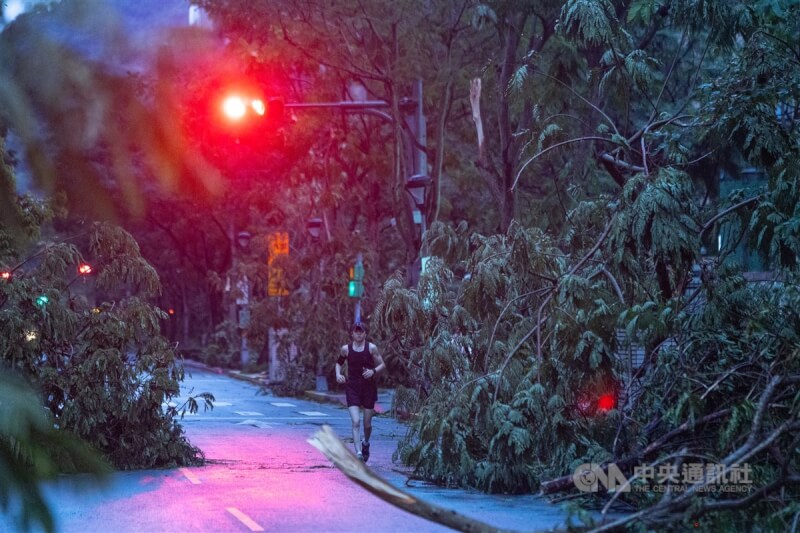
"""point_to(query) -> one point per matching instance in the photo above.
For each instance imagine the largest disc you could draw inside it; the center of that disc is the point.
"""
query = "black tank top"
(357, 362)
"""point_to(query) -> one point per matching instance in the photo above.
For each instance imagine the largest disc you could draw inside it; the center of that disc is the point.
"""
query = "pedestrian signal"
(278, 246)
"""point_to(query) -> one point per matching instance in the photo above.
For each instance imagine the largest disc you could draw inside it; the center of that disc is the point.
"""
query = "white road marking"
(312, 413)
(249, 413)
(256, 423)
(244, 519)
(191, 477)
(222, 404)
(282, 404)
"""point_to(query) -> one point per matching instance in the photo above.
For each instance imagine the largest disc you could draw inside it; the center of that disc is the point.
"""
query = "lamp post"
(416, 185)
(242, 301)
(314, 227)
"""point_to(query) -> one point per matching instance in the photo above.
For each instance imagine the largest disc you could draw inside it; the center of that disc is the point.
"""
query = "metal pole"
(420, 132)
(366, 104)
(357, 315)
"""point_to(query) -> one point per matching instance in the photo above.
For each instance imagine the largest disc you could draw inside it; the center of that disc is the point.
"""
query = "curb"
(255, 379)
(325, 397)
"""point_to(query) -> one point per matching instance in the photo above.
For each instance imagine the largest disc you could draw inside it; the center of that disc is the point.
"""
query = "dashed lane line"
(251, 524)
(191, 477)
(282, 404)
(312, 413)
(249, 413)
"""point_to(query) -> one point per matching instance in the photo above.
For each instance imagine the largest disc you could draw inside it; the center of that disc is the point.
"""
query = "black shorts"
(362, 394)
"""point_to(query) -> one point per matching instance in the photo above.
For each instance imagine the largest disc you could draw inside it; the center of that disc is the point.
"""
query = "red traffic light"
(171, 311)
(234, 107)
(237, 107)
(84, 269)
(5, 275)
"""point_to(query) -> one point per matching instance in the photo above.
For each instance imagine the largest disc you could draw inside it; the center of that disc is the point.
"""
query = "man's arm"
(340, 364)
(380, 366)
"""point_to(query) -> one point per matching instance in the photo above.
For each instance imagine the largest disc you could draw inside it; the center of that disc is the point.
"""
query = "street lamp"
(416, 186)
(243, 239)
(314, 227)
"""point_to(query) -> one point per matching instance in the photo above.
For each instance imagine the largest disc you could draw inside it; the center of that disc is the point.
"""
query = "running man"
(364, 362)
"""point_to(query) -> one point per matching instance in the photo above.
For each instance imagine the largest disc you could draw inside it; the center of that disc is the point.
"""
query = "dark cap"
(358, 325)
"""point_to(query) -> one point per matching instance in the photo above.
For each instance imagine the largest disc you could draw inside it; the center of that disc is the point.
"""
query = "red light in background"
(5, 276)
(84, 269)
(234, 107)
(606, 402)
(171, 311)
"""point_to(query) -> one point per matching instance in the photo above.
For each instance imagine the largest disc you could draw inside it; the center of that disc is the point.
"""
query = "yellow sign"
(278, 245)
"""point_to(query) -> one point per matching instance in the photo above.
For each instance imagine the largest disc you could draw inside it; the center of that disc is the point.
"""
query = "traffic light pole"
(357, 312)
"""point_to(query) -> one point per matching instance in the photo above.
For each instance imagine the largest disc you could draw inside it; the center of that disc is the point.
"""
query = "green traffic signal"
(42, 300)
(355, 289)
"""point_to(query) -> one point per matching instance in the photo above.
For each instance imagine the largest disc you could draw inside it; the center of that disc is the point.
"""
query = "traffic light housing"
(247, 109)
(355, 289)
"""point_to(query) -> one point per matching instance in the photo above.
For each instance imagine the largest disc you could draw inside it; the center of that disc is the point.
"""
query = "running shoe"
(365, 450)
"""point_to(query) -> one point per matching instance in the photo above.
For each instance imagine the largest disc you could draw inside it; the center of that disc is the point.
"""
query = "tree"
(511, 359)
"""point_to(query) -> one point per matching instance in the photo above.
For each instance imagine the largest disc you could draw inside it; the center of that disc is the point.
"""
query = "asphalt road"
(262, 475)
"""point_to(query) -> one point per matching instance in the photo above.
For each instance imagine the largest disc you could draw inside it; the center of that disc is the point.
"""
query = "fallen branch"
(566, 482)
(326, 441)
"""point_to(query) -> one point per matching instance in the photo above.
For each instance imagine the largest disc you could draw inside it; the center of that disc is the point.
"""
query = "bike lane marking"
(251, 524)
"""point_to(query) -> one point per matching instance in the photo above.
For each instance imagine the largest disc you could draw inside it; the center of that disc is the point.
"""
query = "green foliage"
(589, 21)
(547, 321)
(31, 451)
(103, 368)
(487, 420)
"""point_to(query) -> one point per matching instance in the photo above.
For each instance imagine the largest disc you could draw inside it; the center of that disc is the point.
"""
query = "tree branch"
(553, 147)
(721, 214)
(328, 443)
